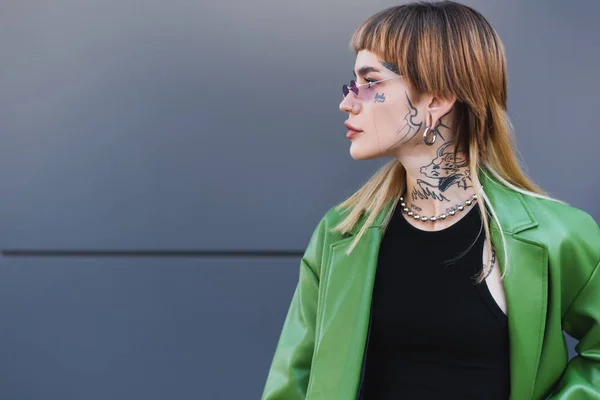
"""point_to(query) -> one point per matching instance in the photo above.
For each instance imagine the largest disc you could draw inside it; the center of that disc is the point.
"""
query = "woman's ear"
(437, 108)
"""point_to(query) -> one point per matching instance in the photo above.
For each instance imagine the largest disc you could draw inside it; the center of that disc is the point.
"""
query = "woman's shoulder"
(330, 220)
(323, 235)
(561, 217)
(565, 228)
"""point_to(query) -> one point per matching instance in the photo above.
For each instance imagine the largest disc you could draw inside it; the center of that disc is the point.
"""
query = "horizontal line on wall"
(151, 253)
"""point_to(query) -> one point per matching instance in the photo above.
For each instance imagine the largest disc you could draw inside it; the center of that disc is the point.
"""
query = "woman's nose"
(348, 104)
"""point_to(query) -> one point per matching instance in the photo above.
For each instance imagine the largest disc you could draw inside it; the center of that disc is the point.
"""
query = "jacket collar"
(513, 212)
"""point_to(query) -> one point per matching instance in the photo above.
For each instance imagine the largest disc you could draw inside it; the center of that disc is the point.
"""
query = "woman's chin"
(359, 152)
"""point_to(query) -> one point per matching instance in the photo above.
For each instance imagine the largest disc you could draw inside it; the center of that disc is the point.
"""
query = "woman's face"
(387, 116)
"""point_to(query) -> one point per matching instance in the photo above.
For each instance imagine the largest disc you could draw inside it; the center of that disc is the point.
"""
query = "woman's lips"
(352, 133)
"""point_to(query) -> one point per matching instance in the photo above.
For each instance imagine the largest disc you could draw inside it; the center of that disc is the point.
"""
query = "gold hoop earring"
(433, 136)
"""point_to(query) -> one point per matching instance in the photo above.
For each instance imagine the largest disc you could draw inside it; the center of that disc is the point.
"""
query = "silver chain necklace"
(461, 207)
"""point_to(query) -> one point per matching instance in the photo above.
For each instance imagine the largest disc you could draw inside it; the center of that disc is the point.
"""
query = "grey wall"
(163, 164)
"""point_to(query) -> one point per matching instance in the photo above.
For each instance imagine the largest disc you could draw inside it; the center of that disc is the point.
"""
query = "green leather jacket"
(553, 284)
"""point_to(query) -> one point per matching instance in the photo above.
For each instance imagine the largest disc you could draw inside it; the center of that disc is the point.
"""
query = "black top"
(435, 333)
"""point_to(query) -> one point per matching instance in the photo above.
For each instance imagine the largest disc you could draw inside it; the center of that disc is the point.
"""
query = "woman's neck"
(428, 196)
(437, 180)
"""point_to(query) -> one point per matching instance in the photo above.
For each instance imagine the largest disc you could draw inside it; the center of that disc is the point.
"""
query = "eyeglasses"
(353, 87)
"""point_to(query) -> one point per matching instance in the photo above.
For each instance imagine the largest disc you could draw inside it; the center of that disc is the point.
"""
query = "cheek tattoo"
(411, 127)
(379, 97)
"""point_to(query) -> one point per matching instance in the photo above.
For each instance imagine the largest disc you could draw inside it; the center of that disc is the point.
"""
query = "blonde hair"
(448, 49)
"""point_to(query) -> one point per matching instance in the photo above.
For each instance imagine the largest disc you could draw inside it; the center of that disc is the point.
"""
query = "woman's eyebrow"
(365, 70)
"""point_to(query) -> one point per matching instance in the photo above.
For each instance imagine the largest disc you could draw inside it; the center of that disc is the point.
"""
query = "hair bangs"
(413, 39)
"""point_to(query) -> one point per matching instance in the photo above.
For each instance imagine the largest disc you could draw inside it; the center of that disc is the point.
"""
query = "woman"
(449, 274)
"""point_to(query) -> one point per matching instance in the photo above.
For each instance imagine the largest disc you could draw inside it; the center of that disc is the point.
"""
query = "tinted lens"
(345, 90)
(353, 87)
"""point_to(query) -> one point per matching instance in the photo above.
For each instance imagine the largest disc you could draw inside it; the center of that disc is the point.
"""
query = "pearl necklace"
(434, 218)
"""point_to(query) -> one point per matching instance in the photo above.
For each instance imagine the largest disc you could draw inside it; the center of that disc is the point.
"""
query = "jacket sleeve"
(290, 369)
(581, 379)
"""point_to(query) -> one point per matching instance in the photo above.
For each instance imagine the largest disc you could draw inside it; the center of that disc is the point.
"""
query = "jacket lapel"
(347, 291)
(525, 285)
(526, 288)
(344, 320)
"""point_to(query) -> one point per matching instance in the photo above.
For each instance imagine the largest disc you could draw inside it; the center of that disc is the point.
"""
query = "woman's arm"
(290, 368)
(581, 379)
